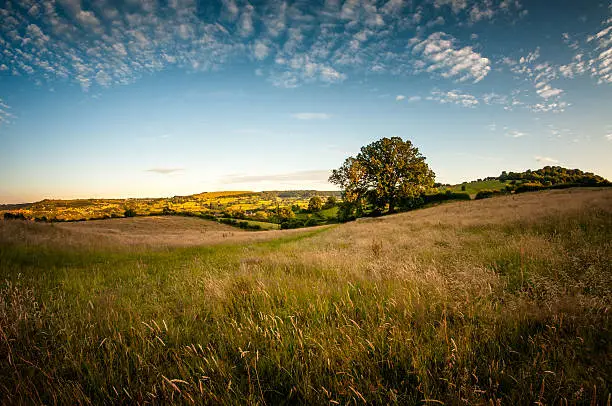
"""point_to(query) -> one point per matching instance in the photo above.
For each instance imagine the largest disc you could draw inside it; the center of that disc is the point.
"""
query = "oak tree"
(383, 172)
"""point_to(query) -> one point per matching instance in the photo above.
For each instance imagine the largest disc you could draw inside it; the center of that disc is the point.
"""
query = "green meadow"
(498, 301)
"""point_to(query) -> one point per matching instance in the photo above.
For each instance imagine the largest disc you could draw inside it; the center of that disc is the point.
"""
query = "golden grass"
(501, 301)
(149, 231)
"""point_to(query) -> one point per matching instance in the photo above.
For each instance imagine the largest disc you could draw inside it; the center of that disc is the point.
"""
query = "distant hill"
(281, 206)
(546, 177)
(270, 207)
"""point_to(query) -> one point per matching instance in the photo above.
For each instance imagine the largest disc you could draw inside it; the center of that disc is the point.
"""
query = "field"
(254, 207)
(476, 186)
(498, 301)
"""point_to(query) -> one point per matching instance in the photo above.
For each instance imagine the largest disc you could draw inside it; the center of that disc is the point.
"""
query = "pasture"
(503, 300)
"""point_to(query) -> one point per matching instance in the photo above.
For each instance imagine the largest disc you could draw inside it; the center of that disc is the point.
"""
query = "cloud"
(539, 74)
(515, 134)
(300, 176)
(311, 116)
(414, 99)
(400, 97)
(106, 43)
(609, 137)
(454, 97)
(166, 171)
(261, 50)
(5, 114)
(545, 159)
(440, 55)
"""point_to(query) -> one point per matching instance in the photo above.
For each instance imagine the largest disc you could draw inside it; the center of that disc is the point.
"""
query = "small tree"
(315, 204)
(384, 172)
(330, 202)
(129, 213)
(284, 213)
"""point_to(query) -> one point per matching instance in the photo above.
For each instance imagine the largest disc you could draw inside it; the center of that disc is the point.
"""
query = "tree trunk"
(391, 206)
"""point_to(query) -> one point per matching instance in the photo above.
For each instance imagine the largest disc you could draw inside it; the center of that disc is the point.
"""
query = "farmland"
(256, 207)
(502, 300)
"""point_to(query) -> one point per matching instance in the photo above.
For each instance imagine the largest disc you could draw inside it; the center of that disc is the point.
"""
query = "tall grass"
(427, 307)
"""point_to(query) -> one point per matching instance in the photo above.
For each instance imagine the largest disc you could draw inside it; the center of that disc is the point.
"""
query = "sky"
(153, 98)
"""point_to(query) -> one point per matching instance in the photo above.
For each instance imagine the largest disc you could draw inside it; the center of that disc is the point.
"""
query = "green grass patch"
(474, 187)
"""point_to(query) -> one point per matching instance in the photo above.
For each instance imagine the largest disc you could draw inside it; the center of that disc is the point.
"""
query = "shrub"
(330, 202)
(311, 222)
(129, 213)
(529, 187)
(14, 216)
(448, 195)
(485, 194)
(293, 223)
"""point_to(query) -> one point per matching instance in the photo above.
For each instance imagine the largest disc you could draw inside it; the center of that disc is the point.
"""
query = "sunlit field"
(499, 301)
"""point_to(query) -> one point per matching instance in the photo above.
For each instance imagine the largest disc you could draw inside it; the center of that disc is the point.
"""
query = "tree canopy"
(383, 172)
(554, 175)
(315, 204)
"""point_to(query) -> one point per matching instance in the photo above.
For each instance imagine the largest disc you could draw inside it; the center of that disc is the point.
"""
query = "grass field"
(472, 188)
(497, 301)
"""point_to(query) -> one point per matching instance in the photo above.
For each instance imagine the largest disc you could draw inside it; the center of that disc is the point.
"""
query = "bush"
(348, 211)
(411, 203)
(14, 216)
(293, 223)
(245, 225)
(330, 202)
(448, 195)
(311, 222)
(485, 194)
(129, 213)
(529, 187)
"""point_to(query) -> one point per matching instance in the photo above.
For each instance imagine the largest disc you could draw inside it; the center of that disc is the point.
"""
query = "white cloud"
(88, 19)
(311, 116)
(414, 99)
(166, 171)
(546, 91)
(246, 21)
(400, 97)
(261, 50)
(609, 137)
(5, 114)
(515, 134)
(441, 56)
(456, 5)
(454, 97)
(545, 159)
(105, 43)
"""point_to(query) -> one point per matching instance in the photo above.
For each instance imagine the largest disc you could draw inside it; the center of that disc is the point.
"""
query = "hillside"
(242, 205)
(497, 300)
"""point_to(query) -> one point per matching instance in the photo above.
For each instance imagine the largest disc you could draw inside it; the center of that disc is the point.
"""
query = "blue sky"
(142, 98)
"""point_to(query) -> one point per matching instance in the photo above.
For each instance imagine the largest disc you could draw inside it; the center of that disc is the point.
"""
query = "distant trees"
(315, 204)
(383, 173)
(14, 216)
(285, 213)
(330, 202)
(555, 175)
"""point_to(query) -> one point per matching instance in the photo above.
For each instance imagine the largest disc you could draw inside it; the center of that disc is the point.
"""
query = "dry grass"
(499, 301)
(151, 232)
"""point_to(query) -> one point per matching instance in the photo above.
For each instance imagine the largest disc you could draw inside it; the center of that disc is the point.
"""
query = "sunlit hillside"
(494, 301)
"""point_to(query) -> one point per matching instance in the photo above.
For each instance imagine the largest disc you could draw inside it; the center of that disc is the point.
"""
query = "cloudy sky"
(138, 98)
